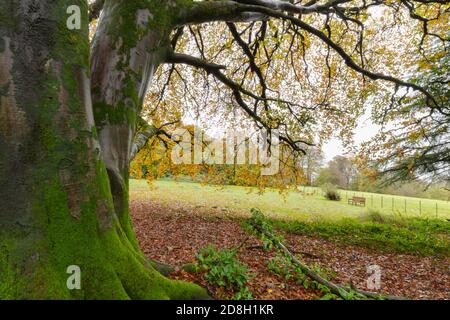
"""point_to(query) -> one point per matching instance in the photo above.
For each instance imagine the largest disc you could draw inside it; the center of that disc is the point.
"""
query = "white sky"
(365, 131)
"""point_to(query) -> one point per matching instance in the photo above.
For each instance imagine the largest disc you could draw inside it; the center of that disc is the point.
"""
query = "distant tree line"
(344, 173)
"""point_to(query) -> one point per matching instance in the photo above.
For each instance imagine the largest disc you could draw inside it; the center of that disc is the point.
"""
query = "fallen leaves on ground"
(174, 233)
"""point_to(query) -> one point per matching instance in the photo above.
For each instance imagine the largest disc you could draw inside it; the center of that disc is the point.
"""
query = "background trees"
(340, 171)
(311, 163)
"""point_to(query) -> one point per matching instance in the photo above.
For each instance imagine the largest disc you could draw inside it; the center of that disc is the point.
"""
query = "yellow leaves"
(414, 136)
(229, 44)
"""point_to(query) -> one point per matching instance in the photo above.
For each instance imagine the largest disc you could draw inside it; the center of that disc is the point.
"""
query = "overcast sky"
(364, 132)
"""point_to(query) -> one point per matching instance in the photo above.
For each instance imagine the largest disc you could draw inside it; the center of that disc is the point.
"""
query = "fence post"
(436, 209)
(371, 197)
(420, 207)
(405, 205)
(381, 202)
(392, 204)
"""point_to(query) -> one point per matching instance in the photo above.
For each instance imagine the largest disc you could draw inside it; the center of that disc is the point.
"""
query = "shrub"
(224, 270)
(331, 192)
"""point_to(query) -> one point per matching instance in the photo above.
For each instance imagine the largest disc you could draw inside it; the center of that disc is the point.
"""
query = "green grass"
(411, 235)
(313, 215)
(293, 204)
(380, 229)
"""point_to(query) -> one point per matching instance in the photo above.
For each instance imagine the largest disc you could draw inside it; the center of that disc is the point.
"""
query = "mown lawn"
(313, 215)
(308, 205)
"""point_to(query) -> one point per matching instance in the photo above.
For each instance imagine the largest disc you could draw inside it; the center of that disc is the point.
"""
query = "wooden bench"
(356, 201)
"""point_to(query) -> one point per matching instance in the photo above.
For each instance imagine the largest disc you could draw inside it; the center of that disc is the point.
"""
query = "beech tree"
(70, 108)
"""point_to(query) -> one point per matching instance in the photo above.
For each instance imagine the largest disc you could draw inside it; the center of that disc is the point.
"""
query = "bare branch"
(145, 133)
(228, 10)
(238, 91)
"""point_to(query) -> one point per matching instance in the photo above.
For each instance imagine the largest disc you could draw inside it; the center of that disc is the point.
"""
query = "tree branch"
(238, 91)
(142, 137)
(208, 11)
(334, 288)
(95, 8)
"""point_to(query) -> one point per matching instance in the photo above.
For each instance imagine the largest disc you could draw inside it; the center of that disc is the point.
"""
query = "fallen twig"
(334, 288)
(307, 254)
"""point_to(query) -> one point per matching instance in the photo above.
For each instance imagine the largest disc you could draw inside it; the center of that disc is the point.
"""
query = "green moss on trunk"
(132, 36)
(58, 209)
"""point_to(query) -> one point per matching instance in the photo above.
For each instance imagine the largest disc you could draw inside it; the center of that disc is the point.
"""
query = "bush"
(331, 192)
(224, 270)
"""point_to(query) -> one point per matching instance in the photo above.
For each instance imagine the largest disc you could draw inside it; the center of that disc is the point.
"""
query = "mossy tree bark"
(68, 115)
(128, 47)
(64, 175)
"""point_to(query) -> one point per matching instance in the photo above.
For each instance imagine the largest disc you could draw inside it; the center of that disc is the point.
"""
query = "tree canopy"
(310, 70)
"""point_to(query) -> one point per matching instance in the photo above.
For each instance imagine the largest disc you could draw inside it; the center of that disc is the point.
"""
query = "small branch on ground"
(334, 288)
(307, 254)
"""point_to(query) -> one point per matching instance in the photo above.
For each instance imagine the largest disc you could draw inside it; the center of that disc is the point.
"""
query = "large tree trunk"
(56, 206)
(127, 49)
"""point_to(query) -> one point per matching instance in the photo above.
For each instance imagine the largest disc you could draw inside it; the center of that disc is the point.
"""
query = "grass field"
(309, 213)
(308, 205)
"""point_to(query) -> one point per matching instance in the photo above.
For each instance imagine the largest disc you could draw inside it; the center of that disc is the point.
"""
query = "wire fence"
(390, 203)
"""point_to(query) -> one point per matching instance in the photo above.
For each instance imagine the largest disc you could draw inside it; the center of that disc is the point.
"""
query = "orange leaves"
(173, 233)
